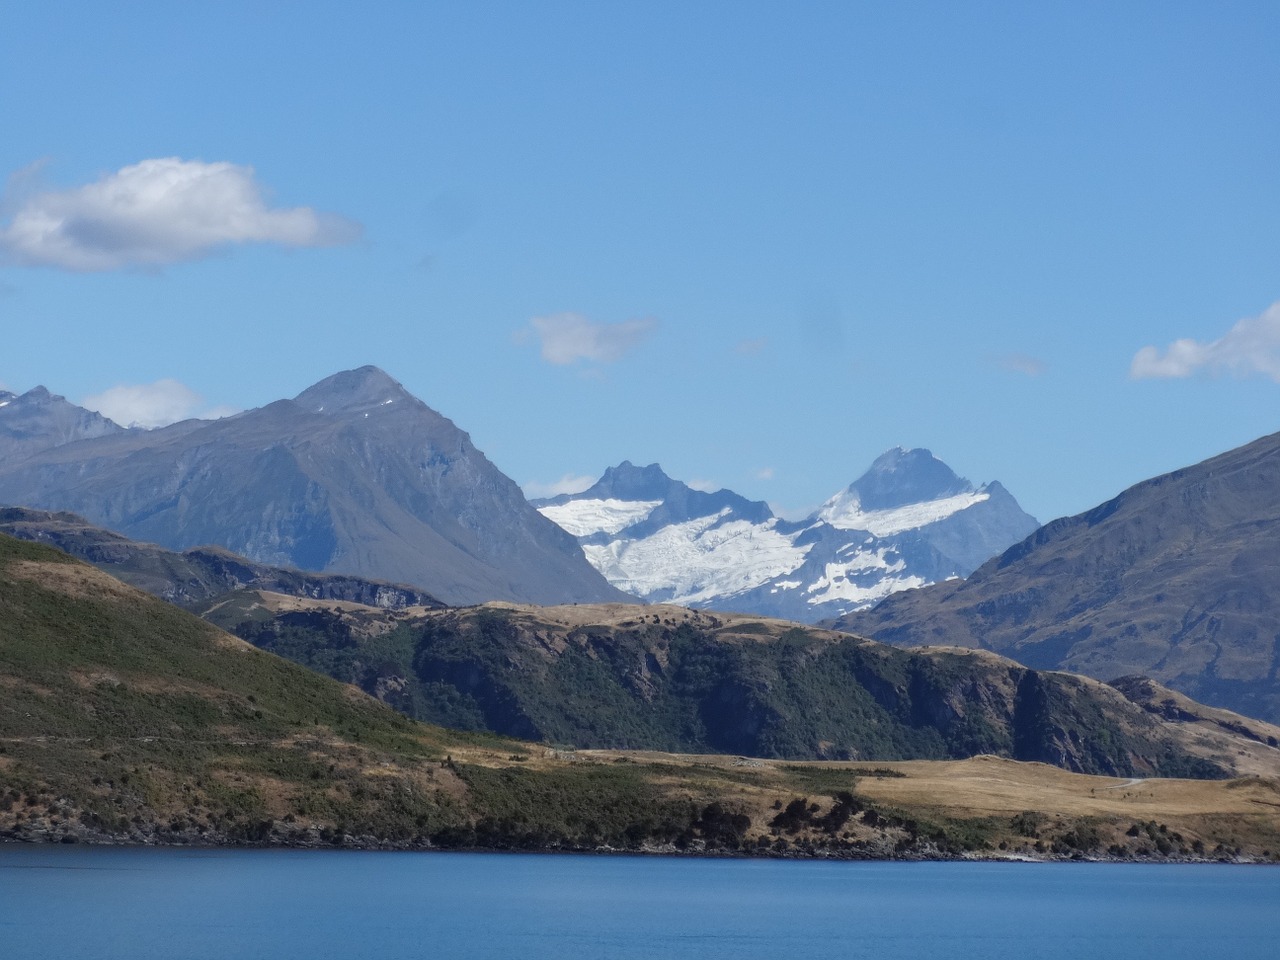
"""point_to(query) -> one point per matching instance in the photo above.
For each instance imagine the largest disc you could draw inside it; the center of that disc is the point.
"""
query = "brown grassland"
(123, 719)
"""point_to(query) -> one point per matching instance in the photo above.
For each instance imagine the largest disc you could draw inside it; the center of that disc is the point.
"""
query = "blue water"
(70, 903)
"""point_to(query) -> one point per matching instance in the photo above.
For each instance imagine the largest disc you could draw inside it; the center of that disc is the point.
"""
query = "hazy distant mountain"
(912, 493)
(908, 521)
(1175, 579)
(354, 475)
(192, 577)
(38, 420)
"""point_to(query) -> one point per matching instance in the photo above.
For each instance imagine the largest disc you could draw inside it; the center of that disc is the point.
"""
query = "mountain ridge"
(199, 574)
(1170, 578)
(673, 679)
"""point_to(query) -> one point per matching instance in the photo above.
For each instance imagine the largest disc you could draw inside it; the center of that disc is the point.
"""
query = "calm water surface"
(69, 903)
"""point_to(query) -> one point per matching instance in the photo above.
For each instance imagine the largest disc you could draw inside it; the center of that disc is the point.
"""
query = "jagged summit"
(366, 386)
(642, 500)
(627, 481)
(900, 476)
(37, 394)
(39, 420)
(663, 541)
(904, 490)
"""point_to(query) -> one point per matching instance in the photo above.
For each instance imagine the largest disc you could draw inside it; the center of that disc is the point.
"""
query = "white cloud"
(569, 337)
(1021, 363)
(764, 473)
(566, 484)
(151, 405)
(1249, 348)
(157, 212)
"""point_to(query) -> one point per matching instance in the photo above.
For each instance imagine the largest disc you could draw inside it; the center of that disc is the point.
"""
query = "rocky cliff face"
(1174, 579)
(354, 475)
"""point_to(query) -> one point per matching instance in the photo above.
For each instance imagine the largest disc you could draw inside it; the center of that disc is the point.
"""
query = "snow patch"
(582, 518)
(844, 512)
(698, 560)
(836, 585)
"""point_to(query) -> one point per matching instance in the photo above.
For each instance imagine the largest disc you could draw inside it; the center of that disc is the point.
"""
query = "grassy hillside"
(125, 708)
(125, 719)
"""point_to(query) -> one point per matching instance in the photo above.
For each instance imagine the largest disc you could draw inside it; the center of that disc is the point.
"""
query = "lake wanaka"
(139, 904)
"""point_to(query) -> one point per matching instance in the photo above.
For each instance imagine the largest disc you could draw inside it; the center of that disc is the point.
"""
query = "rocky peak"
(39, 395)
(354, 476)
(899, 477)
(39, 420)
(350, 390)
(626, 481)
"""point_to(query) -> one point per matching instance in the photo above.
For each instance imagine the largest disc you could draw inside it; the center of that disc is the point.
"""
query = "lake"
(136, 904)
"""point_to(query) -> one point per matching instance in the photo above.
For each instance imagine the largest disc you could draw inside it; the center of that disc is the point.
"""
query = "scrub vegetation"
(124, 719)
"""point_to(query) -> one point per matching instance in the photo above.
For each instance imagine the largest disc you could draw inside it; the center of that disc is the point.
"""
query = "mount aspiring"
(1174, 579)
(354, 476)
(907, 522)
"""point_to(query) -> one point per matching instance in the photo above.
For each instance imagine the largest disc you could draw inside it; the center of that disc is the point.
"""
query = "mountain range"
(659, 677)
(126, 719)
(353, 476)
(651, 677)
(382, 499)
(908, 521)
(1175, 579)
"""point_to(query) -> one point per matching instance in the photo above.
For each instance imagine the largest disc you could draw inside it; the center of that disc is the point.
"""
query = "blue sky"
(757, 243)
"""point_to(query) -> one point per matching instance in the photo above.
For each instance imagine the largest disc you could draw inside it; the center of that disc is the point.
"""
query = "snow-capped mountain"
(907, 522)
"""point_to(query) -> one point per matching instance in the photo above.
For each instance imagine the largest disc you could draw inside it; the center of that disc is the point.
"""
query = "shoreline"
(368, 844)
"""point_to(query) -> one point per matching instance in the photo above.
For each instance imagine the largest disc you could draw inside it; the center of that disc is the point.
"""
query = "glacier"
(907, 522)
(585, 517)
